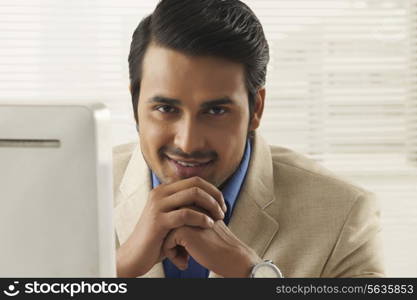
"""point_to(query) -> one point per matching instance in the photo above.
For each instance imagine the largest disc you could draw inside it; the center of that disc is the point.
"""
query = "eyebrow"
(206, 104)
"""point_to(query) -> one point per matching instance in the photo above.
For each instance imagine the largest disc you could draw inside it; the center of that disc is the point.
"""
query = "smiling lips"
(186, 169)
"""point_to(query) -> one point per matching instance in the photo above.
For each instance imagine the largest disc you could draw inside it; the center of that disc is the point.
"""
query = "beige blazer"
(291, 210)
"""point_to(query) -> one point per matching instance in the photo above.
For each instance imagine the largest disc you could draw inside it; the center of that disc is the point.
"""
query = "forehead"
(174, 74)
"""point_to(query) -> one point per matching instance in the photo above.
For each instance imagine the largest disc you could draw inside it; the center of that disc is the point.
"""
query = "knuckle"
(156, 194)
(152, 205)
(204, 218)
(211, 204)
(185, 214)
(197, 180)
(218, 194)
(213, 201)
(153, 194)
(195, 191)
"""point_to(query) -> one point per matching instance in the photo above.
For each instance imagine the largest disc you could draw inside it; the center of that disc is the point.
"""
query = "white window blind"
(341, 85)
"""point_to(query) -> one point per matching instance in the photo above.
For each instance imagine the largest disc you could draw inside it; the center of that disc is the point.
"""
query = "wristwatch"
(265, 269)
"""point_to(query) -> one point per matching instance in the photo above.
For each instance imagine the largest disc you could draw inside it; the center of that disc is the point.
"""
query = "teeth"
(185, 164)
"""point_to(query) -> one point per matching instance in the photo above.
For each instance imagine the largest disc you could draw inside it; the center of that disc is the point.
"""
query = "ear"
(130, 88)
(258, 109)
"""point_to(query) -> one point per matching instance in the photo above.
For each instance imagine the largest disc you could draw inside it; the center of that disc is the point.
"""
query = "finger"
(175, 252)
(196, 181)
(179, 257)
(186, 217)
(194, 196)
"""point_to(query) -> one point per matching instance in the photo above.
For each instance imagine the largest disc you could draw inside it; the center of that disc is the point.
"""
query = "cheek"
(229, 141)
(230, 150)
(153, 135)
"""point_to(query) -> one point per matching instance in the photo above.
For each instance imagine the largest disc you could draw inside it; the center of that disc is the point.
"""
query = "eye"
(166, 109)
(217, 110)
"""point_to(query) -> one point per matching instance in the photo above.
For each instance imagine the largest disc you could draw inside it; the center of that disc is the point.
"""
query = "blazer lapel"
(250, 222)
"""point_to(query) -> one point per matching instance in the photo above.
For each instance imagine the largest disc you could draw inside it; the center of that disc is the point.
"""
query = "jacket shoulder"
(301, 183)
(299, 164)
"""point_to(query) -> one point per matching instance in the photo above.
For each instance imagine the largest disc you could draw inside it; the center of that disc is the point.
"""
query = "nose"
(189, 136)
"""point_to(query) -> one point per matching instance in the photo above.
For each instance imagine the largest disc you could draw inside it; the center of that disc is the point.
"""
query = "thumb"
(176, 253)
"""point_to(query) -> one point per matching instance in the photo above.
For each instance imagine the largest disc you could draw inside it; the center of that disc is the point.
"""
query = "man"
(202, 194)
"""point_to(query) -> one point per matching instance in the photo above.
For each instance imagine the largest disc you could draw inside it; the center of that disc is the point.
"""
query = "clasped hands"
(181, 219)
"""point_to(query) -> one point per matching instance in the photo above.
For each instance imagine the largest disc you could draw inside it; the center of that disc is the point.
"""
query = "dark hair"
(223, 28)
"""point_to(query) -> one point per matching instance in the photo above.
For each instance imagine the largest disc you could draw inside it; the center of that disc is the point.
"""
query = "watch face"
(265, 271)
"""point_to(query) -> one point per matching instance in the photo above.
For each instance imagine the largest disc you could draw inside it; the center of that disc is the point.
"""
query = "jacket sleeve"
(358, 249)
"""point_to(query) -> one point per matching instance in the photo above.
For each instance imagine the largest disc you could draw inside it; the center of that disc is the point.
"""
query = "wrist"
(124, 264)
(122, 267)
(246, 263)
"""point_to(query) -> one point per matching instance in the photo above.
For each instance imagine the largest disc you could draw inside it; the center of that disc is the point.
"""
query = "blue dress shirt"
(230, 193)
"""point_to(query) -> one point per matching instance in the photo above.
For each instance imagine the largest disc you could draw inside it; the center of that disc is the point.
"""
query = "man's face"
(193, 115)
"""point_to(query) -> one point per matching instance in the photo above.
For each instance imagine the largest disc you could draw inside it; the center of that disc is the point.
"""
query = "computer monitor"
(56, 190)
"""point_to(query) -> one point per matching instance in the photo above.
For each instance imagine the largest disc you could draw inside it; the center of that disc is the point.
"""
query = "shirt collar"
(232, 186)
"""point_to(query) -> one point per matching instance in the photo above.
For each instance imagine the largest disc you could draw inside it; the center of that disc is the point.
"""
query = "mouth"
(186, 169)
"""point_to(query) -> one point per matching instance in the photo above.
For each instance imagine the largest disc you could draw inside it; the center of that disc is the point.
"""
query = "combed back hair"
(226, 29)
